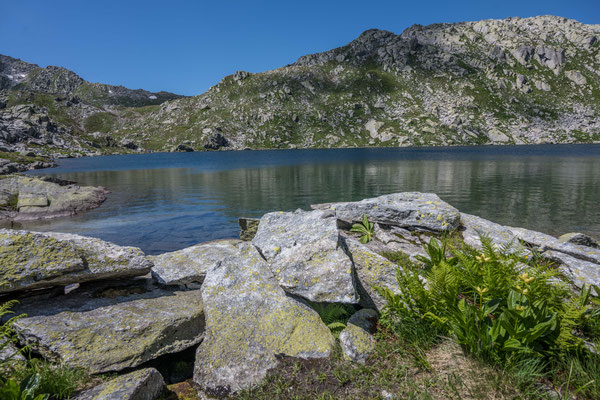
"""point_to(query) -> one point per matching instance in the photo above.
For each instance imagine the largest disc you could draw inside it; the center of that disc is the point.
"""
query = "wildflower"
(481, 291)
(526, 278)
(519, 308)
(483, 258)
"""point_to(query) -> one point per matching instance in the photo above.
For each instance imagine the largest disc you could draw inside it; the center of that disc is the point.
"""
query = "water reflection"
(160, 208)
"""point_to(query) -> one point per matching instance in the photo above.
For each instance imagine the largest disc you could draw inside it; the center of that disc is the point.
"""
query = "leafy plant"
(11, 390)
(7, 335)
(59, 381)
(366, 228)
(491, 301)
(334, 315)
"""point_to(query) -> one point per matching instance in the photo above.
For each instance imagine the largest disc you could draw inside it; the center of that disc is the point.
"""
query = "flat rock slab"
(303, 250)
(249, 321)
(111, 330)
(33, 260)
(579, 271)
(372, 270)
(413, 210)
(145, 384)
(189, 266)
(357, 339)
(27, 198)
(474, 227)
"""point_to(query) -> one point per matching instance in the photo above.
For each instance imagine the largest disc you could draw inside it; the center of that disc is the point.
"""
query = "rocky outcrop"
(188, 267)
(144, 384)
(357, 339)
(25, 198)
(418, 211)
(580, 239)
(33, 260)
(249, 321)
(111, 328)
(303, 250)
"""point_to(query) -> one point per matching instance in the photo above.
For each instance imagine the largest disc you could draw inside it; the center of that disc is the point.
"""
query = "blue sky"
(187, 46)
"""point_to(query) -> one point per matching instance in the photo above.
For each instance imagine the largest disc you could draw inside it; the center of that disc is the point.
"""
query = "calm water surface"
(166, 201)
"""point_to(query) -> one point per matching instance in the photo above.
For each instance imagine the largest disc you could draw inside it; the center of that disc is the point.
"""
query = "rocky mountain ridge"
(511, 81)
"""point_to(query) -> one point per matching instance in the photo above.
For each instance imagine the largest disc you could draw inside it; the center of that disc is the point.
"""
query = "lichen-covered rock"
(357, 339)
(474, 227)
(303, 250)
(111, 330)
(188, 266)
(580, 272)
(249, 321)
(580, 239)
(413, 210)
(40, 199)
(372, 270)
(34, 260)
(144, 384)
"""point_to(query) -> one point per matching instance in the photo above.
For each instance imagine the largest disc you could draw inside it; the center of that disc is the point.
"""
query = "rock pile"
(238, 304)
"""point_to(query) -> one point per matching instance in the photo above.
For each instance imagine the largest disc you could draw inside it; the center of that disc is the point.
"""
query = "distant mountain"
(518, 80)
(20, 75)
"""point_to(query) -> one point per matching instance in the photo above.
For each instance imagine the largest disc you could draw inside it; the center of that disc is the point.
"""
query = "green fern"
(7, 334)
(334, 315)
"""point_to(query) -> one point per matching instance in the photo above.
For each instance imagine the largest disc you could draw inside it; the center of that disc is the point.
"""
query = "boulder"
(249, 321)
(357, 339)
(216, 141)
(579, 272)
(189, 266)
(42, 199)
(113, 329)
(580, 239)
(474, 226)
(372, 270)
(33, 260)
(303, 251)
(576, 77)
(412, 210)
(144, 384)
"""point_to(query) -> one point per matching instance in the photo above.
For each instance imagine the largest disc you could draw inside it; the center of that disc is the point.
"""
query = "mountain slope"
(52, 112)
(519, 80)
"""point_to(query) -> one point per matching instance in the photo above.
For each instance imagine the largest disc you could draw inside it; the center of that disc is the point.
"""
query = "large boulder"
(372, 271)
(475, 227)
(144, 384)
(580, 239)
(189, 266)
(357, 339)
(28, 198)
(303, 250)
(34, 260)
(111, 329)
(249, 322)
(413, 210)
(580, 272)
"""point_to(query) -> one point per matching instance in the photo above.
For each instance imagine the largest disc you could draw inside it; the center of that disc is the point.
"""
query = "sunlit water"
(167, 201)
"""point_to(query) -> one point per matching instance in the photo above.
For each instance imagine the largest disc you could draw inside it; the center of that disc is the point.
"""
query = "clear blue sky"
(187, 46)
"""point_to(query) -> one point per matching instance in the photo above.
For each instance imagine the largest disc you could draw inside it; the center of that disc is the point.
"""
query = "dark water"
(167, 201)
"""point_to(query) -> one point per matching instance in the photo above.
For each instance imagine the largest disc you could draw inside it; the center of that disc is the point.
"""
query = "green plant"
(59, 381)
(494, 304)
(7, 335)
(334, 315)
(366, 228)
(11, 390)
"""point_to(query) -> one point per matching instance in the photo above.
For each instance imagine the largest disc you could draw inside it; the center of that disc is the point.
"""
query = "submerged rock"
(189, 266)
(35, 260)
(413, 210)
(110, 330)
(357, 339)
(144, 384)
(249, 321)
(303, 250)
(25, 198)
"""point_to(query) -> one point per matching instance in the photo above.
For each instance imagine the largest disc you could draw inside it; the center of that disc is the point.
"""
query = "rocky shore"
(238, 305)
(24, 198)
